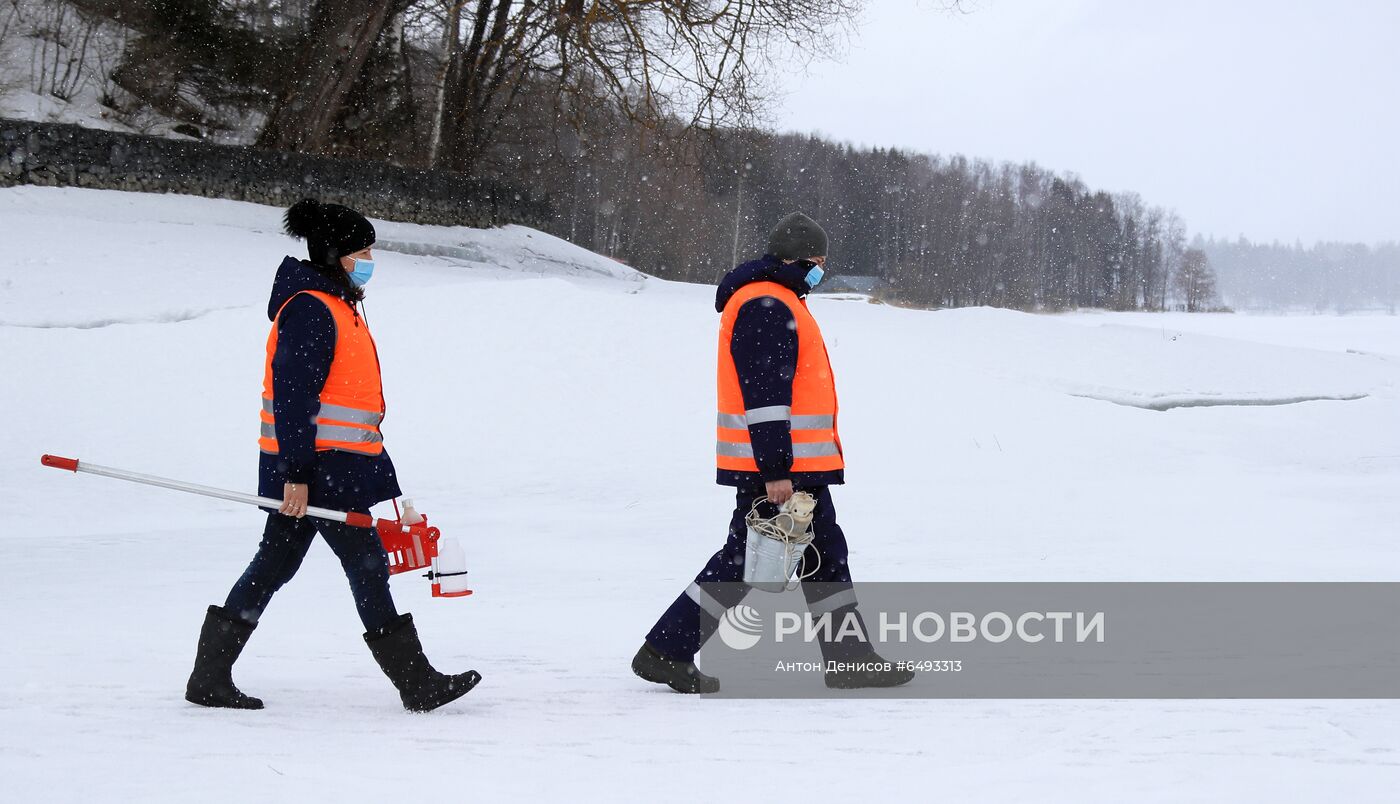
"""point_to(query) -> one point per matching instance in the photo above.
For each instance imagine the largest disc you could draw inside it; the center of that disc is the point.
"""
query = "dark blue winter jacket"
(345, 481)
(764, 347)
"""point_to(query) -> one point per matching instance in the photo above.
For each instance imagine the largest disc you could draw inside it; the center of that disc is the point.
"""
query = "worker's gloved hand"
(294, 497)
(778, 491)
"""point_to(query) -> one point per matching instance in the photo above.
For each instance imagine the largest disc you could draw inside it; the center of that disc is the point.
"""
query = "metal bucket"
(770, 563)
(775, 544)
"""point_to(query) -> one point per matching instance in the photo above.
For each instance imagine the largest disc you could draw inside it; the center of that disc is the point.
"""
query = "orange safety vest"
(352, 400)
(816, 445)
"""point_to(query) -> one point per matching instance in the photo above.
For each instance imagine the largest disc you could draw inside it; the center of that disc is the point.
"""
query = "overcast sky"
(1275, 119)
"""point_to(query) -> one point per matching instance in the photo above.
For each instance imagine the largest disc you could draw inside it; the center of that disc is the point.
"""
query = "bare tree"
(699, 59)
(1173, 251)
(63, 38)
(1195, 280)
(330, 58)
(11, 15)
(451, 34)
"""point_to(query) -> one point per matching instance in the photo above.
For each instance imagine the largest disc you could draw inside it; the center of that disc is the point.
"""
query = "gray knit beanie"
(797, 237)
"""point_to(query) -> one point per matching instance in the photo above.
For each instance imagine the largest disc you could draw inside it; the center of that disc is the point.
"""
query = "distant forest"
(1340, 277)
(637, 121)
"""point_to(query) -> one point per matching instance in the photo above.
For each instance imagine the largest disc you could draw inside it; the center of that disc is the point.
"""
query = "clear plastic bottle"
(410, 514)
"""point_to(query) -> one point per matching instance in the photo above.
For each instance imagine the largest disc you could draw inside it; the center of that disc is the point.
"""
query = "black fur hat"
(330, 230)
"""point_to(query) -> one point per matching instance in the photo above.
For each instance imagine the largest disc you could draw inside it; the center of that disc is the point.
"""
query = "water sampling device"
(412, 544)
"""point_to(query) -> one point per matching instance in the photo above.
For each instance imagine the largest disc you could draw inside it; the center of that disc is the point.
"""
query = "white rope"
(792, 526)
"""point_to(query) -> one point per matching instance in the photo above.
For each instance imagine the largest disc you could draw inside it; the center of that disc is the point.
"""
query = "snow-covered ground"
(555, 410)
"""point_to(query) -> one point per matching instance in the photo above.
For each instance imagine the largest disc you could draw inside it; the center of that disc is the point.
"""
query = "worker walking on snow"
(322, 404)
(776, 435)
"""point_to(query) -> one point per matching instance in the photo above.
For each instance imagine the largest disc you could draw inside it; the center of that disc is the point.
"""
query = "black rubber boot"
(400, 655)
(679, 676)
(221, 640)
(867, 676)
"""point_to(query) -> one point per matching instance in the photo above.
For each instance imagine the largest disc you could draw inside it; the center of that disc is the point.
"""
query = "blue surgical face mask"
(814, 276)
(364, 269)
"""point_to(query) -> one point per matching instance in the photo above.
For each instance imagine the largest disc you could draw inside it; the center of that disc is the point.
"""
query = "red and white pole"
(352, 519)
(409, 547)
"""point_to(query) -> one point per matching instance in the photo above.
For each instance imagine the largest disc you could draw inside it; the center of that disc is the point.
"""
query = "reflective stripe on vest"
(352, 399)
(816, 444)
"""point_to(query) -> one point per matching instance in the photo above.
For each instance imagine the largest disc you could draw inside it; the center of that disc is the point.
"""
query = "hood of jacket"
(767, 268)
(294, 276)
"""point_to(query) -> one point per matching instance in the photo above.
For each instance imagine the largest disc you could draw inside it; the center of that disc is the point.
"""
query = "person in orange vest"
(777, 434)
(321, 444)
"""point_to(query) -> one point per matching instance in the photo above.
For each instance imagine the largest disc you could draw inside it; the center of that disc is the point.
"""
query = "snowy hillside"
(57, 65)
(126, 257)
(555, 410)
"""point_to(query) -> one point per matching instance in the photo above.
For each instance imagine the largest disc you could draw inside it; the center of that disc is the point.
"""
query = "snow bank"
(92, 259)
(555, 411)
